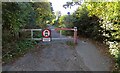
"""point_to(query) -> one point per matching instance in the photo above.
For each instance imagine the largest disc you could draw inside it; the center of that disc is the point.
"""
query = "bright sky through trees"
(58, 6)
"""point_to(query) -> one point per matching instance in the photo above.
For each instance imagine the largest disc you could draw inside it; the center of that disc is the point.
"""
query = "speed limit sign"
(46, 35)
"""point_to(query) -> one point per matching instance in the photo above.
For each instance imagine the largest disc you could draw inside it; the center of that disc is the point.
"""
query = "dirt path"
(58, 56)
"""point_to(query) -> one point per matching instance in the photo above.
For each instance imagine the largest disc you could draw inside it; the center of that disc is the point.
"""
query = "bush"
(17, 49)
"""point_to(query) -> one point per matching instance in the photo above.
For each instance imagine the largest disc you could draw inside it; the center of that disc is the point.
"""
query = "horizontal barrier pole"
(50, 29)
(64, 29)
(31, 29)
(51, 38)
(61, 38)
(35, 39)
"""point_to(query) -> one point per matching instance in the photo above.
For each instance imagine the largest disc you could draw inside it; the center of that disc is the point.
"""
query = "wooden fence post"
(75, 35)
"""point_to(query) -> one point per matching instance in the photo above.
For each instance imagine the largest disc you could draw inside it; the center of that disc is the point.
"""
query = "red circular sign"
(46, 33)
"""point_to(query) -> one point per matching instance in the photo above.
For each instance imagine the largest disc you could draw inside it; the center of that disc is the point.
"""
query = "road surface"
(58, 56)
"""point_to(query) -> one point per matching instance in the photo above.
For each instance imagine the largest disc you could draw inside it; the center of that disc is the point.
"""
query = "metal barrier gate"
(56, 29)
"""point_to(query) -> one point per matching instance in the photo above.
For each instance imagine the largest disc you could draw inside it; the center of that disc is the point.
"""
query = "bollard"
(75, 35)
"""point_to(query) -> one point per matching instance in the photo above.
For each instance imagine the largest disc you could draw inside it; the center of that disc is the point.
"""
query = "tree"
(74, 2)
(101, 20)
(15, 16)
(43, 13)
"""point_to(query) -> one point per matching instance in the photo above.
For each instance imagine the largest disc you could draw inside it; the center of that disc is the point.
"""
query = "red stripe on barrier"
(64, 29)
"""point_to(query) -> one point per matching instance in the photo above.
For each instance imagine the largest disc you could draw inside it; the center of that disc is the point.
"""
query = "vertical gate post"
(60, 33)
(31, 34)
(75, 35)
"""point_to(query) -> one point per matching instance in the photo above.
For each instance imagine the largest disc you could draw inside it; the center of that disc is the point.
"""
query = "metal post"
(31, 34)
(60, 33)
(75, 35)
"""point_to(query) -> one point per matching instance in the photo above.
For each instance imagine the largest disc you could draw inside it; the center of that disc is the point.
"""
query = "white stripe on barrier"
(31, 29)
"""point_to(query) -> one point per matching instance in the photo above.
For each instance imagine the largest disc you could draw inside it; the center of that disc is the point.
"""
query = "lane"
(58, 56)
(55, 56)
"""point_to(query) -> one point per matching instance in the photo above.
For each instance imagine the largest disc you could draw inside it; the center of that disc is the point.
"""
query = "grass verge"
(18, 49)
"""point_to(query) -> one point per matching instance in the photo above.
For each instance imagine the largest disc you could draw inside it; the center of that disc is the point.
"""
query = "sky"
(58, 6)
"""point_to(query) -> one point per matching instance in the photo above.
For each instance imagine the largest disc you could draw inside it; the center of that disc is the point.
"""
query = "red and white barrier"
(57, 29)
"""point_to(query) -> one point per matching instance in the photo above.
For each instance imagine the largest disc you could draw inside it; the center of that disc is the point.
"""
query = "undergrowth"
(18, 49)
